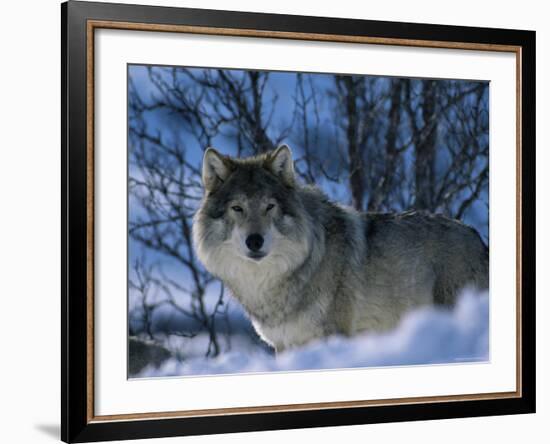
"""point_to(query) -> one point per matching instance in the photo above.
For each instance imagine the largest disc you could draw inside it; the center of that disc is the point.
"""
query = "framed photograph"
(276, 221)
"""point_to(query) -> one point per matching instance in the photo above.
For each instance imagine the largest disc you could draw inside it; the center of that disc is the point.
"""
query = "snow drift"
(425, 336)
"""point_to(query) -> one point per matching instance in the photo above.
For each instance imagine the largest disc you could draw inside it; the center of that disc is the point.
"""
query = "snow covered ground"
(424, 336)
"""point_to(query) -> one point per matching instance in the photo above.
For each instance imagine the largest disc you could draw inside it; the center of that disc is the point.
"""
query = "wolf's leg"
(448, 285)
(444, 291)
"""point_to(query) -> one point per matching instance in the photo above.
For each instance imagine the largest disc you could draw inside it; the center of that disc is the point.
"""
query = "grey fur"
(324, 268)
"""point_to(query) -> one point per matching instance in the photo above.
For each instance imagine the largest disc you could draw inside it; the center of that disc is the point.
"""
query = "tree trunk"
(356, 170)
(261, 141)
(384, 186)
(425, 149)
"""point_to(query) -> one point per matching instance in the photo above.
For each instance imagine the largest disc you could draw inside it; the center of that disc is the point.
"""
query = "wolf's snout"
(254, 242)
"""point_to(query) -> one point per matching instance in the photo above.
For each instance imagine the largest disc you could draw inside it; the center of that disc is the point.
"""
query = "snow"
(427, 335)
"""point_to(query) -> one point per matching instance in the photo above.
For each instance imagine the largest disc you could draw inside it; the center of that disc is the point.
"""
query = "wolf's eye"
(237, 209)
(270, 207)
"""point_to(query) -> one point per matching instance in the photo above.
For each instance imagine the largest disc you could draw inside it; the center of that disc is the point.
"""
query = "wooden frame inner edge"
(91, 25)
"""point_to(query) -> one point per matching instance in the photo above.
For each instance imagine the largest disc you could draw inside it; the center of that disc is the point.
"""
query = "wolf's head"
(251, 214)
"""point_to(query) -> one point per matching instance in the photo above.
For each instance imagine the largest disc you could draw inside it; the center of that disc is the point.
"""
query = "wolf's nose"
(254, 242)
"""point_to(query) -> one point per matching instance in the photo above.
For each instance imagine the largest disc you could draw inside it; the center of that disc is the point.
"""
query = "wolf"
(304, 267)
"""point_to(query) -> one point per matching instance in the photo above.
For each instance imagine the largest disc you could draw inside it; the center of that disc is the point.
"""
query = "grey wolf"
(304, 267)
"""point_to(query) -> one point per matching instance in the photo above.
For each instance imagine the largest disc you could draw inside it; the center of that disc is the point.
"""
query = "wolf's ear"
(282, 165)
(215, 169)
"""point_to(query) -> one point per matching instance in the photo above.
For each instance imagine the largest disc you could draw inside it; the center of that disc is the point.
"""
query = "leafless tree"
(413, 144)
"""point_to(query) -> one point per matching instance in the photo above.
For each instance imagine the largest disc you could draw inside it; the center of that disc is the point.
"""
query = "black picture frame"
(76, 423)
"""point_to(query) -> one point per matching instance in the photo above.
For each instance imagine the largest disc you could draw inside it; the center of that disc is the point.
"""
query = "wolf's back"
(415, 246)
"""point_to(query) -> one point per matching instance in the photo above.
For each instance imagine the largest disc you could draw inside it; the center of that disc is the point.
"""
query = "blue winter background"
(375, 143)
